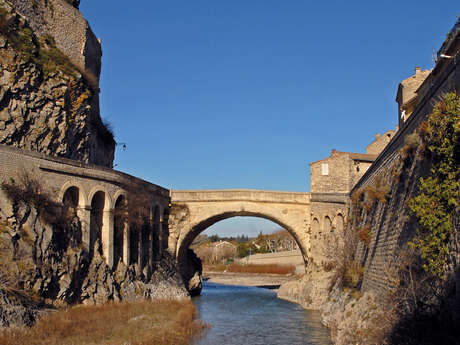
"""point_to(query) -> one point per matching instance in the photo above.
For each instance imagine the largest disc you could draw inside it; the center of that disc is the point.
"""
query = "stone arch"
(315, 228)
(195, 229)
(339, 221)
(101, 223)
(82, 201)
(327, 225)
(107, 200)
(98, 205)
(120, 230)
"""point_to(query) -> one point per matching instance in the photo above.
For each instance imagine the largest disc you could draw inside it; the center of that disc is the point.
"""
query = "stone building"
(339, 172)
(407, 96)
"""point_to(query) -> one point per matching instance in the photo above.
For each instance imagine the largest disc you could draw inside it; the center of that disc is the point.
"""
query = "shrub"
(438, 198)
(104, 131)
(364, 234)
(407, 152)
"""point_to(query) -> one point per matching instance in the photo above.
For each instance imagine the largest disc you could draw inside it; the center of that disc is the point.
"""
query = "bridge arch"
(194, 211)
(206, 223)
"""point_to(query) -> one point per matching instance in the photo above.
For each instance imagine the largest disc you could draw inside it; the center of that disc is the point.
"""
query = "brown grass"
(146, 322)
(252, 268)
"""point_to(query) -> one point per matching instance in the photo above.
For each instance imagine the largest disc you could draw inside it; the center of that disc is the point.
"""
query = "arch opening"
(339, 223)
(96, 220)
(205, 224)
(70, 200)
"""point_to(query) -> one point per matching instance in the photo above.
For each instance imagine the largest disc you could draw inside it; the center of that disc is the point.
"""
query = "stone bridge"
(310, 218)
(194, 211)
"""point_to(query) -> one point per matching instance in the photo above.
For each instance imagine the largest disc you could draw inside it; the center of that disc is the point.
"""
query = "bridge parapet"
(240, 195)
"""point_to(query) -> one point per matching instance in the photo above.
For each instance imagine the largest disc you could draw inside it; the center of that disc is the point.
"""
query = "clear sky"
(245, 93)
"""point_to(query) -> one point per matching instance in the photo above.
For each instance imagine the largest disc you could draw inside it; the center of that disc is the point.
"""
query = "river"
(254, 316)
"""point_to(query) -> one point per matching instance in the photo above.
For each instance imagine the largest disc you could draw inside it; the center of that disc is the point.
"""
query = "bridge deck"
(240, 195)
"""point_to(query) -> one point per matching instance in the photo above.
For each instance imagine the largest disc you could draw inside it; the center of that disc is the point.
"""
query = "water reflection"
(246, 315)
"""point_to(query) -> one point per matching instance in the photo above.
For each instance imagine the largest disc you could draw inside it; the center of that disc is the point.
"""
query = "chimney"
(418, 70)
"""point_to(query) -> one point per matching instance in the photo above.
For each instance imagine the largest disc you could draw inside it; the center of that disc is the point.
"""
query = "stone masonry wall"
(71, 31)
(48, 104)
(391, 225)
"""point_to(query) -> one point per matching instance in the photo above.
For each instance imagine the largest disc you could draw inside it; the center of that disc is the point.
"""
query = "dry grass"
(147, 322)
(252, 268)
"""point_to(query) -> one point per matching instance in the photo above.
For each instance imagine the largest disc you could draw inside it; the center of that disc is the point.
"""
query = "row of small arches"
(327, 225)
(140, 245)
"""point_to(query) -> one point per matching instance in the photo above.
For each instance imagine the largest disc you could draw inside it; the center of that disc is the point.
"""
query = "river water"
(241, 315)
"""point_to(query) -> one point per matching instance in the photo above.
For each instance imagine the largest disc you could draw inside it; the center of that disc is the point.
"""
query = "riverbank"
(146, 322)
(269, 281)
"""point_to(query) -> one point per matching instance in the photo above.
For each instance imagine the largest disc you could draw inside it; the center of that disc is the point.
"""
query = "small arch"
(327, 225)
(315, 229)
(70, 199)
(339, 223)
(107, 201)
(82, 201)
(98, 204)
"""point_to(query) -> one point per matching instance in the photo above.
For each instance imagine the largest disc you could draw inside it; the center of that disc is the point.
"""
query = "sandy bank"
(270, 281)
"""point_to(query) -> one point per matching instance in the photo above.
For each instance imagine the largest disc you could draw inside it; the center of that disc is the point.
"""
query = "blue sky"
(244, 94)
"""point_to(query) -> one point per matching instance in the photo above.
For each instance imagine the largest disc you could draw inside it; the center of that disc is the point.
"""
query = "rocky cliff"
(49, 76)
(42, 256)
(49, 102)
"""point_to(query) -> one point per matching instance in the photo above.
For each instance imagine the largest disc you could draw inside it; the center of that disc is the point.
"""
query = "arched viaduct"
(98, 197)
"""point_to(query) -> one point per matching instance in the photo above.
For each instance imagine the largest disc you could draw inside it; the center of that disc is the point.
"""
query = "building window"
(324, 169)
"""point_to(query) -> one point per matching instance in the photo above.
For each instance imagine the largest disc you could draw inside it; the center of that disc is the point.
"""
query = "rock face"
(49, 98)
(192, 274)
(17, 309)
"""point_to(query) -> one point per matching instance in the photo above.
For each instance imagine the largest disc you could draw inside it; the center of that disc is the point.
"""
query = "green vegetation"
(438, 198)
(42, 52)
(146, 322)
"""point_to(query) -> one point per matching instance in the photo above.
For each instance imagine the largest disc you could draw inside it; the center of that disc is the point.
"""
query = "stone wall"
(48, 104)
(380, 142)
(66, 25)
(391, 224)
